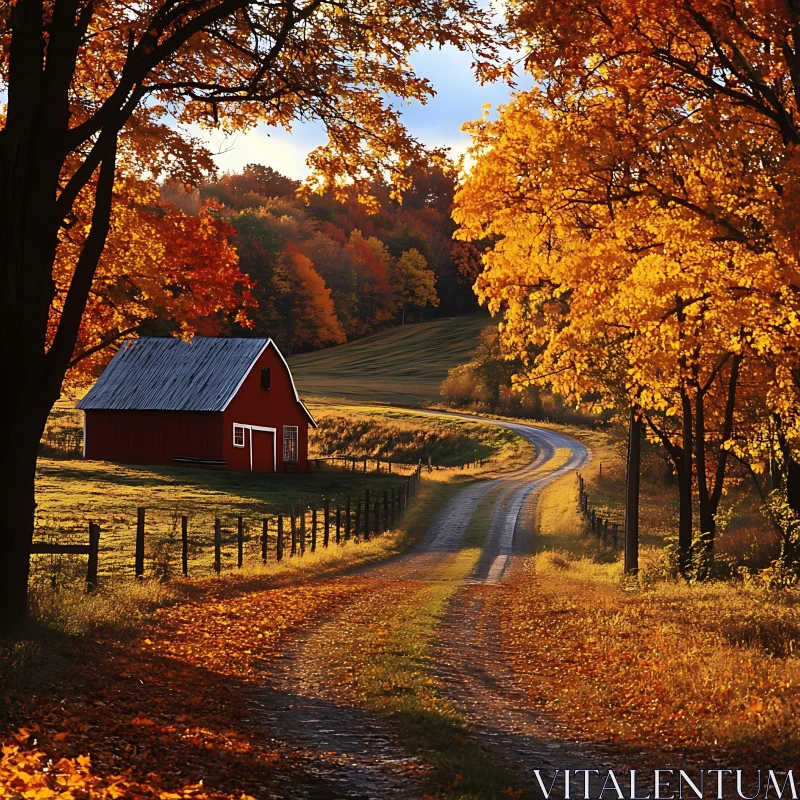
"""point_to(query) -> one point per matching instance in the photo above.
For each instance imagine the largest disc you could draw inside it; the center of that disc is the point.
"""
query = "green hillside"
(402, 366)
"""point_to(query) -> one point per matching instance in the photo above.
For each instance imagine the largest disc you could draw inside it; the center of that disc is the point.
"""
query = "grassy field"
(402, 366)
(71, 493)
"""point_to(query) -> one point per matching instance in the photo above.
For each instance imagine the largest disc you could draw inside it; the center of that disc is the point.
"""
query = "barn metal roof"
(166, 374)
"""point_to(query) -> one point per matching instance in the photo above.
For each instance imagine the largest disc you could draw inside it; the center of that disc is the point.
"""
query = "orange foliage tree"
(643, 202)
(312, 319)
(158, 263)
(100, 94)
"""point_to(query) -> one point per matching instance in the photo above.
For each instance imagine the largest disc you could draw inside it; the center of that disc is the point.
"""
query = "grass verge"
(672, 666)
(406, 436)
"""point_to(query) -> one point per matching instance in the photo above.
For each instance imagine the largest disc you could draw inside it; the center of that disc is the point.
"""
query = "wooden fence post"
(338, 523)
(347, 520)
(217, 546)
(302, 529)
(327, 530)
(139, 562)
(264, 532)
(185, 546)
(294, 534)
(240, 541)
(366, 514)
(385, 509)
(279, 546)
(378, 518)
(358, 519)
(94, 546)
(313, 530)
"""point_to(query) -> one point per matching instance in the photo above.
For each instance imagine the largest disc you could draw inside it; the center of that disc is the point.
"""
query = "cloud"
(459, 98)
(282, 150)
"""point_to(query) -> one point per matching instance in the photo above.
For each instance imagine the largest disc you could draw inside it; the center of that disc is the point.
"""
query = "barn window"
(238, 435)
(265, 377)
(290, 443)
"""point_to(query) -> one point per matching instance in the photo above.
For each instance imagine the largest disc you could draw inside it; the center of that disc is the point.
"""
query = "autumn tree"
(483, 379)
(718, 77)
(311, 321)
(612, 295)
(98, 93)
(258, 247)
(414, 282)
(373, 287)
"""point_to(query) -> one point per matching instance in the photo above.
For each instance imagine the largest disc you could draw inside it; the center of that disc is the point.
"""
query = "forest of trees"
(323, 272)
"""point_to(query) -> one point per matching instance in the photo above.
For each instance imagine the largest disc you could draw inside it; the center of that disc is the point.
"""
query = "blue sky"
(458, 98)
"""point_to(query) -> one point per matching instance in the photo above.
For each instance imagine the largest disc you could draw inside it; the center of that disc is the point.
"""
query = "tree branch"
(60, 352)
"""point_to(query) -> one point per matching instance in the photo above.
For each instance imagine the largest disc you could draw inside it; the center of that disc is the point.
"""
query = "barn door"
(263, 451)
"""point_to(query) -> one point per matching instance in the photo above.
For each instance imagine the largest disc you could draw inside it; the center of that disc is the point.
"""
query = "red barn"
(229, 403)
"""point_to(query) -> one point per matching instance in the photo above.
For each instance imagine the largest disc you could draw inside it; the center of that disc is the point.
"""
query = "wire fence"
(606, 530)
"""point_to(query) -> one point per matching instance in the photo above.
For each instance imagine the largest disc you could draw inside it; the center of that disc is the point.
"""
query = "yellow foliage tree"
(611, 290)
(414, 281)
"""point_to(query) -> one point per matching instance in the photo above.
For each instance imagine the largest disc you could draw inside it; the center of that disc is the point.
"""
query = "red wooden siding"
(153, 437)
(266, 408)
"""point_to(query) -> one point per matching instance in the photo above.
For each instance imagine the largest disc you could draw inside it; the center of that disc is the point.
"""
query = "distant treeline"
(325, 272)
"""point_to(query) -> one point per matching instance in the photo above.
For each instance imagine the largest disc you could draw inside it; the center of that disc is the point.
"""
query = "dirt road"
(343, 745)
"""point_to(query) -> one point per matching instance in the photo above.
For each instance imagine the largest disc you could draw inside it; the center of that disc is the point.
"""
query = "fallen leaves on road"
(170, 714)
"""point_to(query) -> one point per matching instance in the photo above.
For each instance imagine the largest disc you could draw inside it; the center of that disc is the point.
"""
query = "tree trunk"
(632, 494)
(707, 507)
(685, 498)
(31, 159)
(710, 497)
(16, 533)
(791, 468)
(792, 481)
(17, 501)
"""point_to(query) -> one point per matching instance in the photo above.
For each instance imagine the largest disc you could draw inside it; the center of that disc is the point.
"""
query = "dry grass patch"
(408, 437)
(672, 667)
